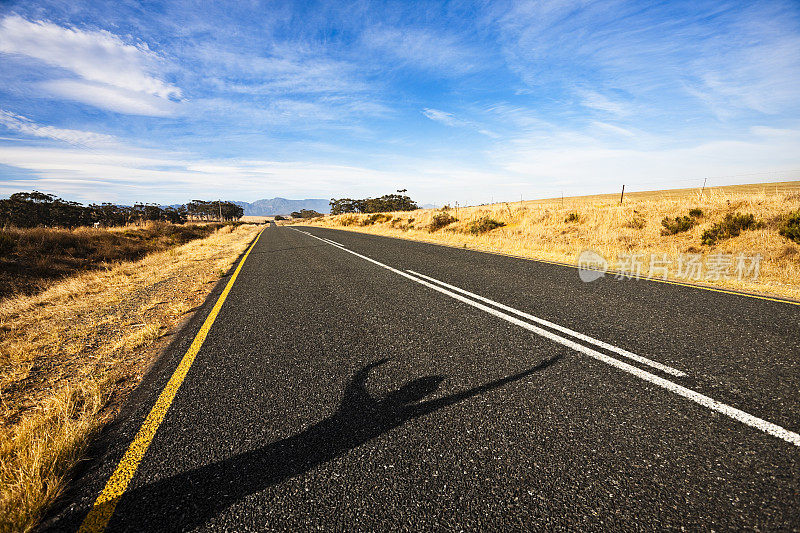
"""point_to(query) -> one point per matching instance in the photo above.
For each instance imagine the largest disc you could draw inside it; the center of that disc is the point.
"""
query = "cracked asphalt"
(334, 394)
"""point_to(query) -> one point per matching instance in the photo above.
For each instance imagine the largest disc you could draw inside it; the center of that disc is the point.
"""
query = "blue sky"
(456, 101)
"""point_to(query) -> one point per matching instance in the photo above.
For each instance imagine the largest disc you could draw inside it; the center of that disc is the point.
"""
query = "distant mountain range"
(282, 206)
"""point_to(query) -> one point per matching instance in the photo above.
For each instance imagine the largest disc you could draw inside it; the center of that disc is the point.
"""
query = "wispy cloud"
(734, 57)
(612, 128)
(26, 126)
(442, 116)
(294, 68)
(449, 119)
(600, 102)
(423, 48)
(108, 72)
(762, 75)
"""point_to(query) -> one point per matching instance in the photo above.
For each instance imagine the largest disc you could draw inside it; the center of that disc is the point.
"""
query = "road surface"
(356, 382)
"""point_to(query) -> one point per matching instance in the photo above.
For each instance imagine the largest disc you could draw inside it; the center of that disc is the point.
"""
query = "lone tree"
(306, 213)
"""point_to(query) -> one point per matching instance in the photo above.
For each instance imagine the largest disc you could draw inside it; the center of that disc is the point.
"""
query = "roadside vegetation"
(441, 220)
(31, 259)
(484, 224)
(731, 226)
(71, 354)
(753, 219)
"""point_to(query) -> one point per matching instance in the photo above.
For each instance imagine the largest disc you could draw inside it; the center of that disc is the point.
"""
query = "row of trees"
(213, 210)
(387, 202)
(26, 210)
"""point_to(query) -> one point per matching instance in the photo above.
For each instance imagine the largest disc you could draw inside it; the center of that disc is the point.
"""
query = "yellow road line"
(560, 263)
(103, 508)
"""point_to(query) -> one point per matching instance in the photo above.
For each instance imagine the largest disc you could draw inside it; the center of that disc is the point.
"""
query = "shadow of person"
(189, 499)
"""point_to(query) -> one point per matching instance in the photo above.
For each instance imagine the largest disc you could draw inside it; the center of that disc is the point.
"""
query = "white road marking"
(701, 399)
(625, 353)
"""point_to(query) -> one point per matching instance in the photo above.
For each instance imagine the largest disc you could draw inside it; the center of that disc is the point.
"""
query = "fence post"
(621, 196)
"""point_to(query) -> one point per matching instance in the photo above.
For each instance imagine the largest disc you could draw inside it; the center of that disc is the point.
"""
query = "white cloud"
(26, 126)
(109, 73)
(449, 119)
(441, 116)
(126, 175)
(109, 97)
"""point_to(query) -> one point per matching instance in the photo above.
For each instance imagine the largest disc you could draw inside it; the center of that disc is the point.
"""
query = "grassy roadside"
(560, 231)
(31, 259)
(71, 354)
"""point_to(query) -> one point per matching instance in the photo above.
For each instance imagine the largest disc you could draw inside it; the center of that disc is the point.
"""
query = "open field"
(252, 219)
(780, 187)
(70, 355)
(31, 259)
(629, 233)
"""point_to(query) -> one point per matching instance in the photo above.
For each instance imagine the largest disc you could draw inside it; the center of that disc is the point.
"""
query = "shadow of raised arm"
(355, 394)
(191, 497)
(423, 408)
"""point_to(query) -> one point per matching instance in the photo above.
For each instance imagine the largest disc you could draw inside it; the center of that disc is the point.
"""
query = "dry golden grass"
(255, 219)
(538, 229)
(31, 259)
(71, 354)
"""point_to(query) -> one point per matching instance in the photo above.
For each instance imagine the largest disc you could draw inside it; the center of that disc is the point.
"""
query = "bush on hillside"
(441, 220)
(791, 230)
(676, 225)
(731, 226)
(484, 224)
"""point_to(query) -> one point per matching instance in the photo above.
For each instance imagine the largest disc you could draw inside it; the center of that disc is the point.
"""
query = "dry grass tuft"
(559, 231)
(70, 355)
(41, 450)
(141, 336)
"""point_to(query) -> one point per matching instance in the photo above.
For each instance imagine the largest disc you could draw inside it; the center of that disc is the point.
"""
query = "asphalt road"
(335, 393)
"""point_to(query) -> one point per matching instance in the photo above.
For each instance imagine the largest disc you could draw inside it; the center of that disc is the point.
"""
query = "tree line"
(31, 209)
(304, 213)
(387, 202)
